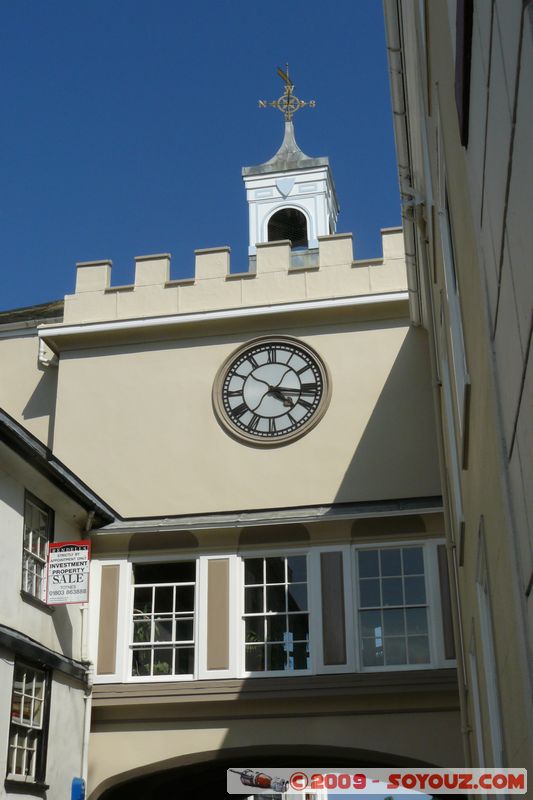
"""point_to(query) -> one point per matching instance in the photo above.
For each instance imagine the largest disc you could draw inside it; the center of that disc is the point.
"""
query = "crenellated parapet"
(281, 275)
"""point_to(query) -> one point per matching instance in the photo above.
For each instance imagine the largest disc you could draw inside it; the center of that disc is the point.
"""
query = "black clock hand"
(277, 393)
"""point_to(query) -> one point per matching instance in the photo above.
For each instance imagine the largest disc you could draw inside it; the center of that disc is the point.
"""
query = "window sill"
(34, 601)
(24, 785)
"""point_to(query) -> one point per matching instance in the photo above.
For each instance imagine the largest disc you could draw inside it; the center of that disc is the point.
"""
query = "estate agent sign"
(68, 573)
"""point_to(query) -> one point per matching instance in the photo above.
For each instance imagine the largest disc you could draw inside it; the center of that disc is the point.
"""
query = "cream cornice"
(56, 334)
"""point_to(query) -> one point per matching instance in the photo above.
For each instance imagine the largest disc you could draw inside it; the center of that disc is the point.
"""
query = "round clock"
(271, 390)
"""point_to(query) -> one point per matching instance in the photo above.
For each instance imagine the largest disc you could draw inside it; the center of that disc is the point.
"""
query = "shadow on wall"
(42, 401)
(397, 454)
(64, 631)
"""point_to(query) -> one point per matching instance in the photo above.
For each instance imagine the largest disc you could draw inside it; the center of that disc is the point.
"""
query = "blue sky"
(126, 124)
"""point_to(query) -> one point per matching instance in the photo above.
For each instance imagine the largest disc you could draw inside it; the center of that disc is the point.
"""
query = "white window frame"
(312, 611)
(236, 663)
(28, 554)
(33, 728)
(433, 601)
(155, 559)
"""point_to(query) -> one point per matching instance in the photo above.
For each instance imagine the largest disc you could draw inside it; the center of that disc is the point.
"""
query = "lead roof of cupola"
(289, 157)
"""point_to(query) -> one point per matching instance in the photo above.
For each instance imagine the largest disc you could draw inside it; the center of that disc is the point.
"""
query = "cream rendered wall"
(501, 177)
(65, 732)
(495, 357)
(60, 629)
(116, 748)
(137, 423)
(489, 189)
(27, 389)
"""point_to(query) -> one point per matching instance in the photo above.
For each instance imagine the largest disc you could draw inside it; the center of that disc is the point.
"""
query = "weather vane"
(288, 103)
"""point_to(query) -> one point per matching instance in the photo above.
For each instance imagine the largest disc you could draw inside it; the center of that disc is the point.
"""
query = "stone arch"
(202, 772)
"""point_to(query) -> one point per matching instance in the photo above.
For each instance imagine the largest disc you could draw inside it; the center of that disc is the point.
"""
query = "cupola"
(291, 196)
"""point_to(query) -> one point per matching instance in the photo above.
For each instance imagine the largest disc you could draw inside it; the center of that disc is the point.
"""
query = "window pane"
(299, 658)
(299, 626)
(253, 570)
(297, 597)
(141, 631)
(162, 630)
(141, 662)
(171, 572)
(416, 620)
(19, 762)
(368, 563)
(393, 622)
(253, 600)
(37, 713)
(371, 623)
(185, 661)
(275, 656)
(372, 653)
(16, 707)
(255, 657)
(162, 661)
(275, 597)
(415, 590)
(391, 562)
(369, 593)
(392, 592)
(26, 710)
(164, 598)
(255, 629)
(296, 569)
(142, 602)
(276, 628)
(413, 561)
(184, 598)
(275, 570)
(395, 651)
(418, 647)
(184, 630)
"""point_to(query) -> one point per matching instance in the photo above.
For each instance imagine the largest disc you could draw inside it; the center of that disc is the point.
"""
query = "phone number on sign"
(449, 782)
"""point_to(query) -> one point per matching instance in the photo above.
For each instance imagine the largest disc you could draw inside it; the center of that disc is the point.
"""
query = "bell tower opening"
(288, 223)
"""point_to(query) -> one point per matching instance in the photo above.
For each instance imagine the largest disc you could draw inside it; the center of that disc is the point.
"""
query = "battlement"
(281, 275)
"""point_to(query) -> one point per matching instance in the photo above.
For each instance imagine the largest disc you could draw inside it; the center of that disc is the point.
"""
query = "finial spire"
(288, 103)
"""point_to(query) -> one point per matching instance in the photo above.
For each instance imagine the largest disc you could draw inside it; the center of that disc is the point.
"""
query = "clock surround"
(271, 391)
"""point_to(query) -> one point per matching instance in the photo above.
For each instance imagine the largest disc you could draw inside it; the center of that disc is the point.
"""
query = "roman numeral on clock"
(308, 388)
(254, 422)
(305, 404)
(271, 356)
(239, 410)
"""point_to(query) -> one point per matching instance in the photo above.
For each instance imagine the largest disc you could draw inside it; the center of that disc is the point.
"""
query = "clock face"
(272, 390)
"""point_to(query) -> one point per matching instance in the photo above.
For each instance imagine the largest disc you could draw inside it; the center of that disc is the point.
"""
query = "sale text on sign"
(68, 573)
